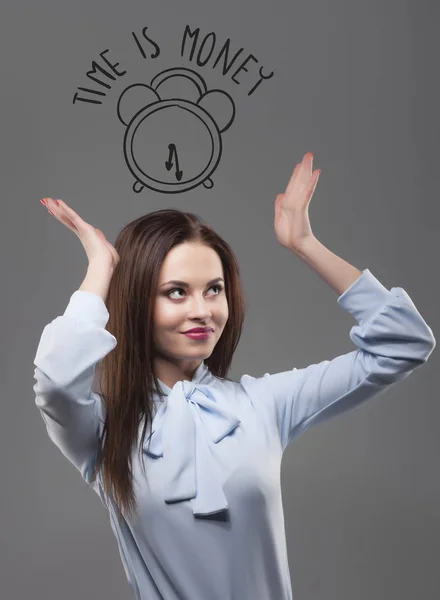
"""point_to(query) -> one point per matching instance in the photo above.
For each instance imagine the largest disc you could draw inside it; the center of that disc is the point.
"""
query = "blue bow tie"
(189, 473)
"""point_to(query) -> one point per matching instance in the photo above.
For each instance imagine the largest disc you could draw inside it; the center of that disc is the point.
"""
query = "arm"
(70, 347)
(335, 271)
(392, 341)
(97, 280)
(391, 336)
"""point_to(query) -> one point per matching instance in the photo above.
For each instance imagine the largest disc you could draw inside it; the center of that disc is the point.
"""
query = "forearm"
(97, 280)
(337, 272)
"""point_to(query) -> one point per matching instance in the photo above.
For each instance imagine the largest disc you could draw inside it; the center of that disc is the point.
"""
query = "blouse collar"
(188, 472)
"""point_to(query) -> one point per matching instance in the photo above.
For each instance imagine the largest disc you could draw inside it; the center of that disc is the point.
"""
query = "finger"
(307, 162)
(71, 218)
(66, 215)
(277, 208)
(315, 178)
(292, 178)
(54, 207)
(62, 216)
(306, 174)
(70, 212)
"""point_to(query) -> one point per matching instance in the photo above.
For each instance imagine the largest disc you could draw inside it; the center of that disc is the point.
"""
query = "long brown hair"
(126, 374)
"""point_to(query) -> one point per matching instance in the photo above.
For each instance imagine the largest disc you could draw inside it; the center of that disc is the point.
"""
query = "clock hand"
(169, 163)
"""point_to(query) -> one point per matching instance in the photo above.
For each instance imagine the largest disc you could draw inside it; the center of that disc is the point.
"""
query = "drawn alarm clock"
(172, 145)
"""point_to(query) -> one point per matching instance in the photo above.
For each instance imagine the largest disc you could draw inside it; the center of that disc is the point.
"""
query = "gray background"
(357, 84)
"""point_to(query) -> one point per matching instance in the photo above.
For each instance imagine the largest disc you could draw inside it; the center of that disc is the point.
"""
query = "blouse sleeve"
(392, 340)
(69, 350)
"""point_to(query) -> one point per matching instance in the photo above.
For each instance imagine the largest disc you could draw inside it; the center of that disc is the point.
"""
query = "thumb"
(100, 234)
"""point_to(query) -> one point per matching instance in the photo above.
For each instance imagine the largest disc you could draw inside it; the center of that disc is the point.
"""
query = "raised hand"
(291, 222)
(97, 247)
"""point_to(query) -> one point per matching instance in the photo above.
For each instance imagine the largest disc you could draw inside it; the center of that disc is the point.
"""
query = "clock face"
(172, 146)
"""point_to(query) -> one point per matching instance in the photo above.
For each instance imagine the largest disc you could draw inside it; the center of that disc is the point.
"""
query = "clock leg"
(138, 187)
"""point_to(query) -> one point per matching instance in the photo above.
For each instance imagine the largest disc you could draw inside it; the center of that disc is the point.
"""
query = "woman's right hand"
(97, 248)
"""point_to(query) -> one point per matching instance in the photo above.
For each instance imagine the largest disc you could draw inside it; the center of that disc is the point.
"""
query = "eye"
(218, 286)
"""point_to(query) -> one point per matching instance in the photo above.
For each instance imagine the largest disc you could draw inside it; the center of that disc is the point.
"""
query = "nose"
(199, 308)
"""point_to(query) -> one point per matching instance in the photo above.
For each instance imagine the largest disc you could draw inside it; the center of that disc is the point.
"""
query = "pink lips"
(199, 336)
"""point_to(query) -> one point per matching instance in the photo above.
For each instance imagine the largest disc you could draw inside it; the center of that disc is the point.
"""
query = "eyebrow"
(186, 285)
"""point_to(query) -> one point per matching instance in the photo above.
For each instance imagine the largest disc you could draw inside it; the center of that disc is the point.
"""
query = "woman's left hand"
(292, 225)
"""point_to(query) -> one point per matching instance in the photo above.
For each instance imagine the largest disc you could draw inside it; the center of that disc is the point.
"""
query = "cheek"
(166, 315)
(225, 310)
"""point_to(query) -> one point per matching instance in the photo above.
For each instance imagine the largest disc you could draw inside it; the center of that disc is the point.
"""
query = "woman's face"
(202, 302)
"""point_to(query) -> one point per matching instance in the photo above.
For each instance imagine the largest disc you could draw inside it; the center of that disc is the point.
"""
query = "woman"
(196, 504)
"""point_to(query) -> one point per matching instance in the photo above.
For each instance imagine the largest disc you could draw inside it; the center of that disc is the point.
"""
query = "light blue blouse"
(209, 522)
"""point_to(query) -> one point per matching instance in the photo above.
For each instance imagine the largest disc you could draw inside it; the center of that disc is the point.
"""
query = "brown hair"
(127, 372)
